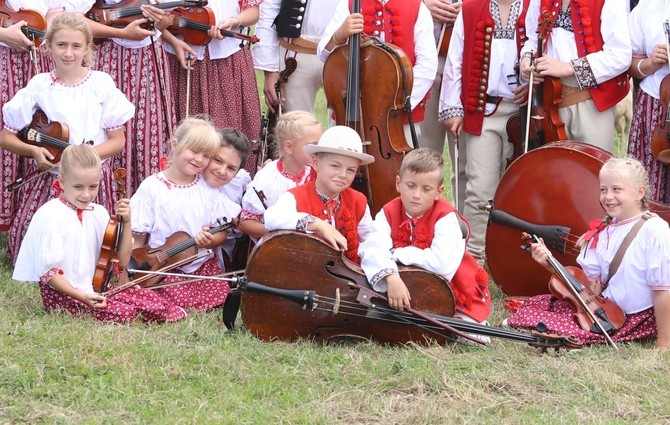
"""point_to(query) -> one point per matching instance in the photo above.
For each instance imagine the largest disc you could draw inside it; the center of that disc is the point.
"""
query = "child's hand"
(204, 239)
(95, 301)
(397, 293)
(183, 51)
(352, 25)
(43, 158)
(134, 30)
(161, 18)
(15, 38)
(521, 95)
(226, 24)
(123, 209)
(454, 126)
(329, 234)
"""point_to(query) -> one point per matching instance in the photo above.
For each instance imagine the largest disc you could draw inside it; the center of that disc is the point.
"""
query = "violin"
(367, 87)
(51, 135)
(660, 138)
(110, 241)
(593, 313)
(193, 22)
(36, 24)
(177, 247)
(445, 37)
(538, 122)
(126, 11)
(319, 295)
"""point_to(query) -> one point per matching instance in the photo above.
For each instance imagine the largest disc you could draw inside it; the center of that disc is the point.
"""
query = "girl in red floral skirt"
(640, 286)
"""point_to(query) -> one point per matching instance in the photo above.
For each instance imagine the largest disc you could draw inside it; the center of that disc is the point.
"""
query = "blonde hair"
(292, 125)
(196, 134)
(423, 160)
(76, 22)
(78, 157)
(632, 172)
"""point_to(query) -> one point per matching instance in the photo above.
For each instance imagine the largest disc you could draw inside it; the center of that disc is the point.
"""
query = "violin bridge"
(336, 306)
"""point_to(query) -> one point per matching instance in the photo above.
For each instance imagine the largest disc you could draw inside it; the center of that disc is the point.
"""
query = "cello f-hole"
(377, 135)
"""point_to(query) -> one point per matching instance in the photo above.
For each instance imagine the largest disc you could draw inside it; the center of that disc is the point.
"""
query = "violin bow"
(562, 273)
(666, 28)
(188, 83)
(529, 103)
(365, 297)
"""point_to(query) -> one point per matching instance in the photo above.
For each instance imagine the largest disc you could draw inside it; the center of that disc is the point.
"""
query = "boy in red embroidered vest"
(327, 205)
(403, 23)
(422, 229)
(479, 94)
(589, 49)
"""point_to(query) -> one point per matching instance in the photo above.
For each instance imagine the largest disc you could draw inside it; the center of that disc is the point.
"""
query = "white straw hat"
(341, 140)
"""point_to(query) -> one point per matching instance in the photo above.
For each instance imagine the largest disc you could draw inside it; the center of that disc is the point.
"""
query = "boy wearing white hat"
(328, 206)
(420, 228)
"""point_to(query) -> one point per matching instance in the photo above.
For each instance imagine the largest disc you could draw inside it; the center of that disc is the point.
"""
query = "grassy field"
(59, 369)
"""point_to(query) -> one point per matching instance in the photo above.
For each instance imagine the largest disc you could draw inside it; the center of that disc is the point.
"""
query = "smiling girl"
(641, 284)
(86, 101)
(179, 199)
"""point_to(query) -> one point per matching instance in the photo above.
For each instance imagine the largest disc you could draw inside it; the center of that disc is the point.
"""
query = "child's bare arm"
(93, 300)
(662, 313)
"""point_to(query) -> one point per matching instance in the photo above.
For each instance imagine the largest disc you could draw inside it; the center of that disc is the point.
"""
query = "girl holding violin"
(74, 96)
(650, 65)
(177, 204)
(222, 70)
(404, 23)
(134, 56)
(588, 49)
(478, 97)
(640, 286)
(61, 249)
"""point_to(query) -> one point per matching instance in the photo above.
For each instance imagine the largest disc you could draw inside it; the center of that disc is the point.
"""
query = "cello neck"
(353, 105)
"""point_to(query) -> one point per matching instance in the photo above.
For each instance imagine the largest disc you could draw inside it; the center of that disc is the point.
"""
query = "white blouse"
(161, 208)
(57, 240)
(644, 268)
(89, 108)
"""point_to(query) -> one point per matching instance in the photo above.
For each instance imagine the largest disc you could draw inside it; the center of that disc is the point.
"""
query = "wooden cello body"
(274, 262)
(385, 80)
(554, 188)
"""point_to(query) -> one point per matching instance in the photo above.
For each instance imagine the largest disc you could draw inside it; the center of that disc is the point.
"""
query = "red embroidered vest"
(589, 39)
(348, 215)
(396, 19)
(470, 283)
(478, 33)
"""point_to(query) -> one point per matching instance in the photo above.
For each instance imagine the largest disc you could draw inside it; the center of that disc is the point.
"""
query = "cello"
(552, 192)
(319, 295)
(367, 87)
